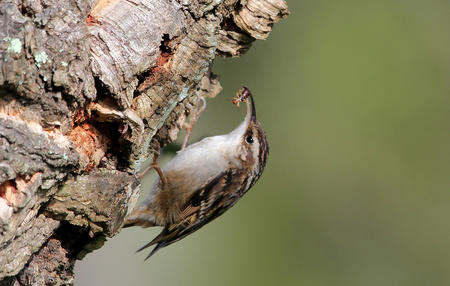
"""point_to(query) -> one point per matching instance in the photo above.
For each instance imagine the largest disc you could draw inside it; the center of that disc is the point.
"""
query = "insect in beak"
(245, 94)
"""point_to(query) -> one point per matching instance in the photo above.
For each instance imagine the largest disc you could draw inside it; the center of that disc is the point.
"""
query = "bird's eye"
(249, 139)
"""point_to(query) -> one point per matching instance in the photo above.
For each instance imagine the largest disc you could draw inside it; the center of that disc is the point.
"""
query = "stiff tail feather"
(139, 218)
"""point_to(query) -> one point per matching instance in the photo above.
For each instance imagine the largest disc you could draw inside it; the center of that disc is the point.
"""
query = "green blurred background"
(355, 100)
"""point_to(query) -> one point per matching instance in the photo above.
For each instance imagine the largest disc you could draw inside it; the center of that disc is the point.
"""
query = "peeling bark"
(88, 91)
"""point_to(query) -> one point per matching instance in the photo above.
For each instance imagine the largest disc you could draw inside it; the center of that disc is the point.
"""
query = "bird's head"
(252, 147)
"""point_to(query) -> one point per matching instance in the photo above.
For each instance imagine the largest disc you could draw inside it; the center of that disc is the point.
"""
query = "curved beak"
(250, 119)
(251, 110)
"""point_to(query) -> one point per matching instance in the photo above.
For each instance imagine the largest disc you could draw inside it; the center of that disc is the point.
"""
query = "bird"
(204, 180)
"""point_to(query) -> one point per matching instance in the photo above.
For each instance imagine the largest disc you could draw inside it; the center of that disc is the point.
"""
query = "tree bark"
(88, 91)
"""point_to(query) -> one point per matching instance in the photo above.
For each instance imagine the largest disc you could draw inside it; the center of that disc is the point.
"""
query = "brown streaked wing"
(203, 206)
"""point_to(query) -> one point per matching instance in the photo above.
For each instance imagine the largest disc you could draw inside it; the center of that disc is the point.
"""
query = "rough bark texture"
(88, 91)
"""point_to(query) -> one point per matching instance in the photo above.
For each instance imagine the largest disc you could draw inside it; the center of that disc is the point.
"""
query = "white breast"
(203, 160)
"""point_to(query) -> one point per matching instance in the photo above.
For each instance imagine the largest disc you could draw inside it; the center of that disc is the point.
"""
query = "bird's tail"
(140, 217)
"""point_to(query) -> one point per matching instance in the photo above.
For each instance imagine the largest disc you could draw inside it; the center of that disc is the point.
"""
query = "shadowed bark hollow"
(88, 90)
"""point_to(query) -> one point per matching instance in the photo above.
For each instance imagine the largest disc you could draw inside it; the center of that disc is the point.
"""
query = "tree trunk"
(88, 91)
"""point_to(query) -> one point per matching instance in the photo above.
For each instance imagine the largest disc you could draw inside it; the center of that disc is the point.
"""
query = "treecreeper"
(204, 180)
